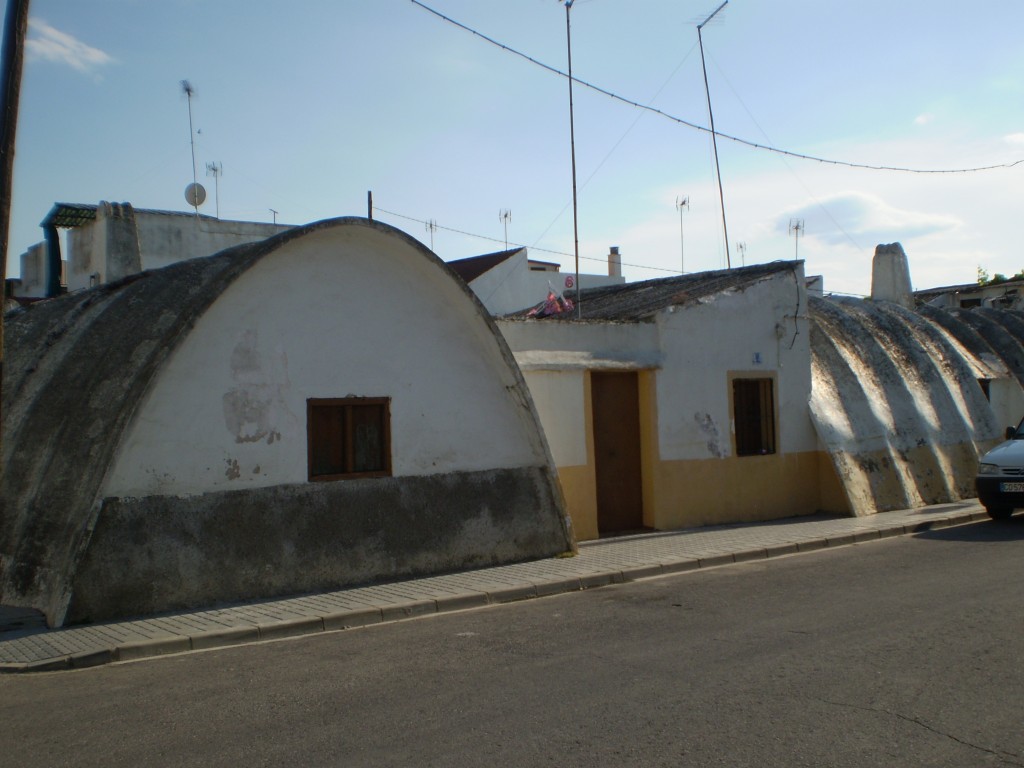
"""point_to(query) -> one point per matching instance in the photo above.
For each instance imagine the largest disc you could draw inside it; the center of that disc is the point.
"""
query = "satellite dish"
(195, 195)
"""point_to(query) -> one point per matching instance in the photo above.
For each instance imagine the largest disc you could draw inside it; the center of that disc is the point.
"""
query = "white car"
(1000, 480)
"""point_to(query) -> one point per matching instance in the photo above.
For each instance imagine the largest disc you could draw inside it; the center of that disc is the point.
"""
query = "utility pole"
(15, 29)
(681, 203)
(572, 149)
(714, 139)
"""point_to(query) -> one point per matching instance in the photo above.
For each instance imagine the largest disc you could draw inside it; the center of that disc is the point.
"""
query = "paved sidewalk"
(29, 649)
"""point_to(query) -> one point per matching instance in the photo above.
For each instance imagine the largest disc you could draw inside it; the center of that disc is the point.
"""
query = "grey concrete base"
(599, 563)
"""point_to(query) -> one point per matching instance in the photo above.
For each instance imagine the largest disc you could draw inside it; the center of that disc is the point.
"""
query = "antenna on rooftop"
(505, 216)
(431, 228)
(796, 226)
(216, 170)
(681, 203)
(194, 193)
(741, 249)
(273, 213)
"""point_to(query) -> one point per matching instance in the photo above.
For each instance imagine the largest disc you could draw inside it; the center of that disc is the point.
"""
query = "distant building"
(108, 241)
(509, 281)
(1005, 294)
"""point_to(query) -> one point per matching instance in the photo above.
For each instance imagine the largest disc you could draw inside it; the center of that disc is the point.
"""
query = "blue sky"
(308, 105)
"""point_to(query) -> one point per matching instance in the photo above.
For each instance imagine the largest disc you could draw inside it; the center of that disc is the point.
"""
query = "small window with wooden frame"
(348, 437)
(753, 404)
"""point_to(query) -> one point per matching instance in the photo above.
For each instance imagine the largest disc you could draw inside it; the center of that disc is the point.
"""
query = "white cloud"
(923, 119)
(865, 218)
(1016, 139)
(50, 44)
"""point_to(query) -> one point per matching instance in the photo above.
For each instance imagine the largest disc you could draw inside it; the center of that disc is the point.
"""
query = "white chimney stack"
(890, 276)
(614, 262)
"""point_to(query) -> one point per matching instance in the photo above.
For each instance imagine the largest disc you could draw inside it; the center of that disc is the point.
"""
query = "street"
(899, 652)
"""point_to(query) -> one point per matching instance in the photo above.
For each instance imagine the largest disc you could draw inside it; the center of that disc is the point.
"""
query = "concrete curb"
(486, 594)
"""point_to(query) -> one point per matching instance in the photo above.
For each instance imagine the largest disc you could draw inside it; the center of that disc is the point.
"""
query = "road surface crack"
(1005, 757)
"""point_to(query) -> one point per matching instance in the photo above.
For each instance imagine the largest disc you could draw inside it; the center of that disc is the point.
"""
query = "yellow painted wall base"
(688, 494)
(579, 488)
(736, 489)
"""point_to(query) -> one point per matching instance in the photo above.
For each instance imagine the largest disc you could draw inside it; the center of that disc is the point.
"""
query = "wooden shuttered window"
(348, 437)
(753, 403)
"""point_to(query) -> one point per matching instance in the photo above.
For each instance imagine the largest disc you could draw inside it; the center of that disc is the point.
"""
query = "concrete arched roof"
(78, 368)
(895, 398)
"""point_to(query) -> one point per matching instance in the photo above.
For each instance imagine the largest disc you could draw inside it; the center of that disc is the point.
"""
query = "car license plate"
(1011, 487)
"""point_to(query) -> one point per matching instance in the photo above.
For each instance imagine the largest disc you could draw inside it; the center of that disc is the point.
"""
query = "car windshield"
(1019, 433)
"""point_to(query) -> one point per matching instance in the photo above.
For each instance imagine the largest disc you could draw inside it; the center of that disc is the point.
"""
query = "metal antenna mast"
(216, 170)
(188, 90)
(741, 249)
(572, 148)
(796, 226)
(505, 216)
(714, 140)
(431, 227)
(681, 203)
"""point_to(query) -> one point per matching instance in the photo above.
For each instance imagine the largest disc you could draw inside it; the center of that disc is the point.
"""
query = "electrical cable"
(377, 208)
(695, 126)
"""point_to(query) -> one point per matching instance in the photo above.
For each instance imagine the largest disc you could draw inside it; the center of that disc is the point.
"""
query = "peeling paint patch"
(709, 430)
(233, 472)
(253, 405)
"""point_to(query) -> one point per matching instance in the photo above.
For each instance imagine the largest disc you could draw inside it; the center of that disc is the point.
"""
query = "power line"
(705, 129)
(378, 209)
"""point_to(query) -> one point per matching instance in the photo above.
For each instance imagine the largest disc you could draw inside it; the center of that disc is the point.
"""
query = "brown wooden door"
(616, 404)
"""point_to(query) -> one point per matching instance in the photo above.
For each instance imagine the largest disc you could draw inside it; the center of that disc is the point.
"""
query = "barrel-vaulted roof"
(640, 301)
(77, 369)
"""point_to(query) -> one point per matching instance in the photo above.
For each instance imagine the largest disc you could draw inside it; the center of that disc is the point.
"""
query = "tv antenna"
(714, 140)
(431, 227)
(194, 194)
(796, 226)
(505, 216)
(682, 203)
(216, 170)
(741, 249)
(273, 213)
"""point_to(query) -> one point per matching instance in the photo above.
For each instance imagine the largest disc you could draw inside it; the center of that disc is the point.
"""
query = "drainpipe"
(53, 260)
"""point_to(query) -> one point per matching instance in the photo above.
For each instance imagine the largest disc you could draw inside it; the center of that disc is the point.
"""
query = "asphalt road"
(901, 652)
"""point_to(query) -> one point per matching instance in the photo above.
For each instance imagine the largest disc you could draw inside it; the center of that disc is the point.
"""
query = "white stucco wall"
(86, 246)
(33, 271)
(634, 344)
(693, 350)
(751, 333)
(165, 239)
(556, 356)
(343, 311)
(558, 396)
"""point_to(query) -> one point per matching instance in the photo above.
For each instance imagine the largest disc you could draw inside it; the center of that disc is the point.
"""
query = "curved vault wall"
(896, 401)
(158, 428)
